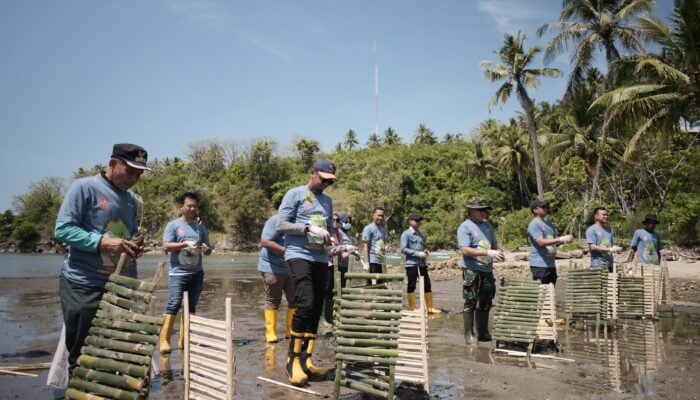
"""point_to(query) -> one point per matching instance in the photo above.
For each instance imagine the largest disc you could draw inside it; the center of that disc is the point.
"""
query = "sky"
(78, 76)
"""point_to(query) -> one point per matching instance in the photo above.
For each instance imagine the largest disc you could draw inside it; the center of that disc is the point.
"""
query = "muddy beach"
(640, 359)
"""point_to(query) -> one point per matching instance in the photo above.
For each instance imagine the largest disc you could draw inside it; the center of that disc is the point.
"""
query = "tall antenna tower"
(376, 88)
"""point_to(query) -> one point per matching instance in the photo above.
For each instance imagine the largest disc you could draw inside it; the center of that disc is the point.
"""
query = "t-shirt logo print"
(104, 203)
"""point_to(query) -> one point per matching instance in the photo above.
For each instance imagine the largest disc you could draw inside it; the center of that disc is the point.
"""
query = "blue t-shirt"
(411, 243)
(647, 245)
(185, 261)
(541, 256)
(601, 237)
(375, 236)
(97, 206)
(344, 239)
(476, 236)
(270, 261)
(301, 206)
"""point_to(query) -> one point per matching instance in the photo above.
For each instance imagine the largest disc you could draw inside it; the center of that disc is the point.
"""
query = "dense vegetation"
(621, 139)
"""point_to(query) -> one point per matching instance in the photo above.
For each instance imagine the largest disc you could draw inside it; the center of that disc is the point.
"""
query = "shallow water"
(628, 363)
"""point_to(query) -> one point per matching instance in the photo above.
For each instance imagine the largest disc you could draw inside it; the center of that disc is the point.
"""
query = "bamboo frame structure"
(518, 313)
(412, 363)
(116, 358)
(587, 295)
(546, 328)
(367, 333)
(208, 363)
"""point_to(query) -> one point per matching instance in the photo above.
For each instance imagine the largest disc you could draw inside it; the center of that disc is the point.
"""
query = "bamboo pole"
(129, 326)
(102, 389)
(133, 282)
(109, 311)
(112, 365)
(17, 373)
(357, 305)
(367, 342)
(128, 336)
(122, 381)
(371, 314)
(367, 351)
(27, 367)
(115, 355)
(79, 395)
(131, 293)
(128, 304)
(112, 344)
(292, 387)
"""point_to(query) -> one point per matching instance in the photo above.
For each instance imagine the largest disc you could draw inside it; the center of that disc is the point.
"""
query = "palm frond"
(656, 30)
(501, 95)
(631, 144)
(634, 7)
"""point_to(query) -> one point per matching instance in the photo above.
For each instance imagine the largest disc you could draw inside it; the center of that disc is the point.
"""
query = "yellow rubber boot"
(165, 332)
(295, 372)
(290, 316)
(271, 325)
(307, 350)
(429, 304)
(411, 301)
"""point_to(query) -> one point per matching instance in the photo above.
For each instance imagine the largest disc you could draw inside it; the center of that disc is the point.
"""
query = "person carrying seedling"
(543, 244)
(413, 245)
(601, 241)
(477, 243)
(186, 240)
(646, 243)
(305, 217)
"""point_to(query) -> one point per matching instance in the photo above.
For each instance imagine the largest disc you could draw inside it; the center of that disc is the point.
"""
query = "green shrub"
(25, 232)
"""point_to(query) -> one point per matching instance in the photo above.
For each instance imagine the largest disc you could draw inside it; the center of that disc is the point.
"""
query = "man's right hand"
(615, 249)
(566, 239)
(320, 232)
(118, 246)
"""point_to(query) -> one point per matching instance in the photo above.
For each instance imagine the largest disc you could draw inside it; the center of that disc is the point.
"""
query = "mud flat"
(638, 360)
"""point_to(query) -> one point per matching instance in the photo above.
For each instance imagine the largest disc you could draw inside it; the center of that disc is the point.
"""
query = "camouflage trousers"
(478, 290)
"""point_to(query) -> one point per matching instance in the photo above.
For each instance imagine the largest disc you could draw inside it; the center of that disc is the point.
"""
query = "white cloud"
(513, 15)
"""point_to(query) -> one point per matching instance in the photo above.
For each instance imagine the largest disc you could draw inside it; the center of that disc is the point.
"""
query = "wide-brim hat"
(478, 203)
(650, 218)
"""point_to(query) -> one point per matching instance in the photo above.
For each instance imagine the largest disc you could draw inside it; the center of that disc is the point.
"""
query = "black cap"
(650, 218)
(133, 155)
(538, 203)
(325, 168)
(415, 217)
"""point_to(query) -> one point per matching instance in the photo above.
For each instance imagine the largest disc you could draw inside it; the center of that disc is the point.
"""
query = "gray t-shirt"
(477, 236)
(375, 236)
(541, 256)
(185, 261)
(604, 237)
(301, 206)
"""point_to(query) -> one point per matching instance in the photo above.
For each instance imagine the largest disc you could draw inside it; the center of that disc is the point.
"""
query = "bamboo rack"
(519, 313)
(208, 363)
(368, 332)
(116, 358)
(412, 362)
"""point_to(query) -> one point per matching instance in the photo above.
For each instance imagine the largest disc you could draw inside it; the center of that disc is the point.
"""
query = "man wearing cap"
(413, 245)
(543, 244)
(477, 243)
(601, 241)
(374, 242)
(305, 217)
(186, 240)
(646, 243)
(98, 221)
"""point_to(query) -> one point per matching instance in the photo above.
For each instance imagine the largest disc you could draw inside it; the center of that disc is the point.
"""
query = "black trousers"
(79, 304)
(309, 279)
(374, 269)
(544, 275)
(412, 274)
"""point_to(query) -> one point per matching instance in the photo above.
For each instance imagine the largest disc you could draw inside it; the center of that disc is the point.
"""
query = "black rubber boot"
(469, 327)
(482, 326)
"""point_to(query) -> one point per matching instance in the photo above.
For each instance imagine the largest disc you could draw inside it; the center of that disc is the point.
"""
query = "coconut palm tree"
(350, 141)
(514, 69)
(424, 135)
(374, 141)
(593, 25)
(480, 163)
(512, 153)
(391, 137)
(665, 87)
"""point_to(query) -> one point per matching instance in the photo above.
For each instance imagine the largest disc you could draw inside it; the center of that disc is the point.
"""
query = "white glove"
(191, 244)
(565, 239)
(497, 255)
(349, 248)
(422, 254)
(320, 232)
(615, 249)
(365, 266)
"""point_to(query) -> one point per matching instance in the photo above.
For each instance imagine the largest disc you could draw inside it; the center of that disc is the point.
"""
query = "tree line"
(625, 138)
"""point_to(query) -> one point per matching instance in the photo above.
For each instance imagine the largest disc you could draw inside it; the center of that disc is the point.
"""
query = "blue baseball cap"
(325, 168)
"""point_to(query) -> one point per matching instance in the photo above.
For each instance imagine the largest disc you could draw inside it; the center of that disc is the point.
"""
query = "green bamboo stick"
(114, 312)
(112, 344)
(112, 365)
(129, 326)
(357, 305)
(122, 381)
(361, 387)
(135, 283)
(128, 336)
(366, 351)
(102, 389)
(381, 315)
(378, 292)
(131, 293)
(128, 304)
(368, 328)
(369, 297)
(369, 275)
(368, 335)
(76, 394)
(115, 355)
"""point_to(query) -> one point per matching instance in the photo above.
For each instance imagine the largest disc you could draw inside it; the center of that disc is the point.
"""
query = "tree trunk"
(527, 105)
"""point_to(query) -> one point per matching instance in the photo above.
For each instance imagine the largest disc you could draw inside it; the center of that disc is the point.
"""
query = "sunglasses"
(336, 220)
(327, 181)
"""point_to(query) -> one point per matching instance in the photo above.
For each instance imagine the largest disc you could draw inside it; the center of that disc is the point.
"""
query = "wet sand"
(637, 360)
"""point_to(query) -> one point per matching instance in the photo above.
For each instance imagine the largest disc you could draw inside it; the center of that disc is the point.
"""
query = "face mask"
(346, 226)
